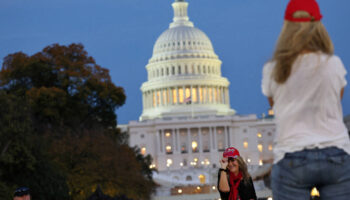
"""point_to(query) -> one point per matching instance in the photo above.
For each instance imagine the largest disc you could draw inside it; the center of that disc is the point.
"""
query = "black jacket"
(246, 189)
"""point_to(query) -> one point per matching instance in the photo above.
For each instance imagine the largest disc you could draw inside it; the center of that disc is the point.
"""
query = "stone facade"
(187, 121)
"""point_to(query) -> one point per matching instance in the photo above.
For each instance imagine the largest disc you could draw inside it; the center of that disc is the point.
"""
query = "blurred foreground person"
(234, 181)
(304, 83)
(22, 193)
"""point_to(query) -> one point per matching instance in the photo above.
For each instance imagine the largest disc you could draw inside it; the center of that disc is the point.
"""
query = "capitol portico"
(187, 120)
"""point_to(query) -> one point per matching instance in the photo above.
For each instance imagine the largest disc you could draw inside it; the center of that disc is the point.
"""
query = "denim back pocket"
(337, 159)
(337, 156)
(293, 161)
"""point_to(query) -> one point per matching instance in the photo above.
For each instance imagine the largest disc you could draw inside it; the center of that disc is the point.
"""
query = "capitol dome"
(183, 40)
(184, 73)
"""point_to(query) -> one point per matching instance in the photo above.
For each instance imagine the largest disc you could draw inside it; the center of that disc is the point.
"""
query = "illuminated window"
(194, 94)
(245, 144)
(168, 95)
(181, 95)
(194, 146)
(174, 96)
(183, 148)
(215, 94)
(154, 99)
(143, 150)
(168, 149)
(187, 92)
(169, 162)
(210, 95)
(201, 179)
(200, 94)
(270, 147)
(259, 135)
(204, 95)
(158, 98)
(164, 97)
(271, 112)
(260, 147)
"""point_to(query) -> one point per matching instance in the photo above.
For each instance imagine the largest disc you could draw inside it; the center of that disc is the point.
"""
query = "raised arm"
(223, 182)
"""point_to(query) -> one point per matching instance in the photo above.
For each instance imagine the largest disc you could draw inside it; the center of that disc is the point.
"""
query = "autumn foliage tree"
(70, 103)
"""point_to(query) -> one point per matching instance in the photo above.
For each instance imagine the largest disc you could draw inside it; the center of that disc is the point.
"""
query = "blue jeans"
(328, 169)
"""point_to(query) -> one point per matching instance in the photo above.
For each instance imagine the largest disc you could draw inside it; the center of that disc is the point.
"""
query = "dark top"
(246, 189)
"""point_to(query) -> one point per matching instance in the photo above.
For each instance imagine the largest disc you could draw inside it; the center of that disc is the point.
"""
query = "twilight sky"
(120, 35)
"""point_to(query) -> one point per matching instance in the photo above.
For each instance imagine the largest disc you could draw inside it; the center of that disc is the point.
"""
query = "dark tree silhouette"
(60, 118)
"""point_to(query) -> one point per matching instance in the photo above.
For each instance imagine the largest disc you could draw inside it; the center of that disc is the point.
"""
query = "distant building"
(187, 121)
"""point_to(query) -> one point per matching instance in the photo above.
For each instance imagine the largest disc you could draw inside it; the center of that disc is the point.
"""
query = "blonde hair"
(243, 168)
(296, 38)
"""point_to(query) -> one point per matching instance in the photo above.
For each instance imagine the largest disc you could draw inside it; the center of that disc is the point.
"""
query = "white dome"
(182, 41)
(184, 73)
(182, 38)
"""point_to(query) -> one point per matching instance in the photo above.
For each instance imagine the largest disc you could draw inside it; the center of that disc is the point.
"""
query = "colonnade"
(196, 94)
(158, 72)
(193, 140)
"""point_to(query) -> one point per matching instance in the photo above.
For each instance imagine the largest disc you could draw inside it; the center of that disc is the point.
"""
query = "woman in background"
(234, 181)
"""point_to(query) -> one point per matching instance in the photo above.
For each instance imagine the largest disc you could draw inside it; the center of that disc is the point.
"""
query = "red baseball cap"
(309, 6)
(230, 152)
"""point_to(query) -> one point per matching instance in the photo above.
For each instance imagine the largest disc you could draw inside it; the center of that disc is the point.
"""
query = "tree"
(65, 88)
(95, 160)
(23, 161)
(69, 102)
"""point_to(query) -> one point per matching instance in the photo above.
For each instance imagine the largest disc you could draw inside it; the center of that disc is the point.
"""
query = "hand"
(223, 163)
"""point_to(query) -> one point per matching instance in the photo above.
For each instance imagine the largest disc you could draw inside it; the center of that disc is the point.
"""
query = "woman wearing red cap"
(304, 83)
(234, 181)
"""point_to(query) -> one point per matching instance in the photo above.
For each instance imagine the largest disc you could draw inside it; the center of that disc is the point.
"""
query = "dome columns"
(184, 95)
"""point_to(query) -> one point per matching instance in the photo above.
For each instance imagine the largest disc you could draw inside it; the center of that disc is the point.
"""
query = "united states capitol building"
(187, 120)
